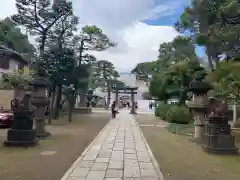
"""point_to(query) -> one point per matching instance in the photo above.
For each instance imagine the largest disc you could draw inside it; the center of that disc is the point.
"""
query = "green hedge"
(174, 113)
(161, 110)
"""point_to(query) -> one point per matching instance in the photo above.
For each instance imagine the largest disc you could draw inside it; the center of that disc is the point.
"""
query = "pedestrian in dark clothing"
(150, 105)
(128, 104)
(136, 105)
(114, 110)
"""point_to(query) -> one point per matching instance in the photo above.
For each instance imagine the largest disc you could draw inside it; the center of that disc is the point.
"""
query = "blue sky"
(168, 16)
(171, 17)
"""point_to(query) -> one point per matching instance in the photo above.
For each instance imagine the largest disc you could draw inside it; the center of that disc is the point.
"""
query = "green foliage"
(161, 110)
(12, 37)
(174, 80)
(179, 115)
(105, 70)
(39, 16)
(226, 80)
(93, 38)
(176, 67)
(179, 128)
(215, 25)
(143, 70)
(158, 87)
(15, 80)
(174, 113)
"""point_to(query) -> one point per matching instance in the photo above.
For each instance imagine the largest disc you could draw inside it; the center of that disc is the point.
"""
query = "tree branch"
(35, 15)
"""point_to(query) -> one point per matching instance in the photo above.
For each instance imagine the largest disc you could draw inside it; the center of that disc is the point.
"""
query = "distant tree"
(39, 16)
(107, 74)
(144, 70)
(91, 38)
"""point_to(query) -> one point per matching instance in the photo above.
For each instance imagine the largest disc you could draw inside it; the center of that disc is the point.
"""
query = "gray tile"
(129, 151)
(130, 156)
(89, 158)
(99, 166)
(95, 175)
(80, 172)
(75, 178)
(106, 154)
(148, 173)
(85, 164)
(146, 159)
(132, 172)
(144, 165)
(114, 173)
(102, 160)
(115, 165)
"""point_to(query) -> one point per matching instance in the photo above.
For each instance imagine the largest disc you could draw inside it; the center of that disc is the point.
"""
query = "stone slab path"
(119, 152)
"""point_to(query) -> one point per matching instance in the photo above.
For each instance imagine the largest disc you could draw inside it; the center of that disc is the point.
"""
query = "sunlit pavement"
(119, 152)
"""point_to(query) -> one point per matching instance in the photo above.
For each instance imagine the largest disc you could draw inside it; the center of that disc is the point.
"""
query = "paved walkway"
(119, 152)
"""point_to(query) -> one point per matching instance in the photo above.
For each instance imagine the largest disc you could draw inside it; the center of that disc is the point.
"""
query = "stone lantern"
(21, 132)
(40, 100)
(133, 92)
(199, 106)
(218, 138)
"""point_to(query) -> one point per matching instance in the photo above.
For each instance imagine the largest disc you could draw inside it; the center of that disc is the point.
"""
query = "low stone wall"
(6, 97)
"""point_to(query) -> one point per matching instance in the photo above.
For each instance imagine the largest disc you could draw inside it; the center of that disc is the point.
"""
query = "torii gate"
(126, 90)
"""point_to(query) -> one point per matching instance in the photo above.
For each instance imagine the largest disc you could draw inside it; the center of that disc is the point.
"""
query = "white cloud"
(139, 43)
(121, 20)
(166, 9)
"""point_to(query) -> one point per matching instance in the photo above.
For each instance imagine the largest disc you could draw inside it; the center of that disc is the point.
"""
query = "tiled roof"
(13, 54)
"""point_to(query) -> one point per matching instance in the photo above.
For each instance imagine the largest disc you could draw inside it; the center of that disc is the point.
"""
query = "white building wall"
(13, 66)
(128, 78)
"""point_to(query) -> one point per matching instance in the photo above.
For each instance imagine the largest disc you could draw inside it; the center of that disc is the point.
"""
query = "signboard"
(125, 91)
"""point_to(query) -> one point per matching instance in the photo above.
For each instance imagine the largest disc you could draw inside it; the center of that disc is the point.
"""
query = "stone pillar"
(82, 102)
(199, 106)
(116, 98)
(40, 101)
(199, 125)
(77, 101)
(133, 110)
(201, 101)
(236, 122)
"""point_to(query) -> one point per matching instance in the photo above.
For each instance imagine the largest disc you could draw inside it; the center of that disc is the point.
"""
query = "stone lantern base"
(40, 129)
(21, 138)
(218, 138)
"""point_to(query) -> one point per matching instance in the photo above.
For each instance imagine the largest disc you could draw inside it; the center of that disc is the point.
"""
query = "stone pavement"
(119, 152)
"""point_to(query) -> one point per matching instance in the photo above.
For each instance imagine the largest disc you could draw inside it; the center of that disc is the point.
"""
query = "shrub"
(161, 110)
(179, 115)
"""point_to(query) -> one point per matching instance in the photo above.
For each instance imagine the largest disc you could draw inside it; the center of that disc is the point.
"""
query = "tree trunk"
(71, 102)
(108, 97)
(58, 101)
(82, 98)
(81, 52)
(210, 63)
(42, 46)
(53, 95)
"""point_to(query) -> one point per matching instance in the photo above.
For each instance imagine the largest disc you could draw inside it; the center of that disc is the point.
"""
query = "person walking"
(150, 105)
(128, 105)
(114, 110)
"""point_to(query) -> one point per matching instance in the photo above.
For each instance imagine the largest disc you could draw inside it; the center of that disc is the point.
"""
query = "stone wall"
(5, 98)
